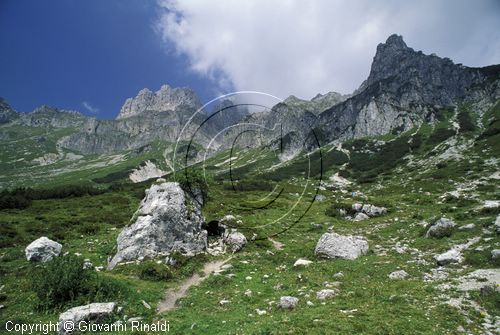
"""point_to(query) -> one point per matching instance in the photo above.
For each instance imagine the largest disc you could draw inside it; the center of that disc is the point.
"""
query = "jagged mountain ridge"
(405, 88)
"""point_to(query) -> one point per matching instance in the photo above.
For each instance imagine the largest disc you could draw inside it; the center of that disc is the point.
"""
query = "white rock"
(332, 245)
(361, 217)
(288, 302)
(497, 224)
(42, 250)
(91, 312)
(248, 293)
(167, 220)
(144, 172)
(443, 227)
(491, 204)
(357, 207)
(235, 240)
(400, 274)
(467, 227)
(224, 302)
(260, 311)
(451, 256)
(325, 294)
(302, 262)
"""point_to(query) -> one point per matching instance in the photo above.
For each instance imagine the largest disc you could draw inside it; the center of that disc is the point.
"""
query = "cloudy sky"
(91, 55)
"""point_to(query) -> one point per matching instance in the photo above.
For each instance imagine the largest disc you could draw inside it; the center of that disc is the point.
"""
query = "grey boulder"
(400, 274)
(42, 250)
(442, 228)
(68, 321)
(288, 302)
(168, 219)
(235, 240)
(451, 256)
(332, 245)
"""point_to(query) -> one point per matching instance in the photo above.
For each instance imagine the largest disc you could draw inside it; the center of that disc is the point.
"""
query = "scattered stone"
(372, 210)
(226, 267)
(145, 304)
(87, 264)
(302, 262)
(357, 207)
(288, 302)
(248, 293)
(325, 294)
(491, 204)
(497, 224)
(168, 219)
(224, 302)
(361, 217)
(309, 303)
(467, 227)
(260, 311)
(235, 240)
(443, 227)
(479, 278)
(400, 274)
(495, 254)
(42, 250)
(338, 275)
(451, 256)
(333, 245)
(92, 312)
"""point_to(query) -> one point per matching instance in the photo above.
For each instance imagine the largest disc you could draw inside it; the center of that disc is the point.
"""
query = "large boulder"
(372, 210)
(69, 320)
(42, 250)
(443, 227)
(332, 245)
(168, 219)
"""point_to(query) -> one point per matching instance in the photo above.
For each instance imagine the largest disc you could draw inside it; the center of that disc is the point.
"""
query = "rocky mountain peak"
(165, 99)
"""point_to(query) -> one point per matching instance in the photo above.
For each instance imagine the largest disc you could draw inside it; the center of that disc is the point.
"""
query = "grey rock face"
(42, 250)
(166, 99)
(332, 245)
(288, 302)
(451, 256)
(92, 312)
(442, 228)
(235, 240)
(168, 219)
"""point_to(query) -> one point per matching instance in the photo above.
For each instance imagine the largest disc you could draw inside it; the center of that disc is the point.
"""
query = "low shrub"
(152, 271)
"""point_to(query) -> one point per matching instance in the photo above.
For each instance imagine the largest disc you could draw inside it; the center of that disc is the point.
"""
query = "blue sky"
(67, 53)
(90, 55)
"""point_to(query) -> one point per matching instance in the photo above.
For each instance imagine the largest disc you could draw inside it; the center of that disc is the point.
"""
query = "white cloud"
(91, 109)
(285, 47)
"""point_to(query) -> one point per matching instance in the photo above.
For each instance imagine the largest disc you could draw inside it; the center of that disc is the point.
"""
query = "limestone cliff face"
(165, 99)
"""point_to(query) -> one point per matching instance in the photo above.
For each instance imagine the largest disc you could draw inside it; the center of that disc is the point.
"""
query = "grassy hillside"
(421, 175)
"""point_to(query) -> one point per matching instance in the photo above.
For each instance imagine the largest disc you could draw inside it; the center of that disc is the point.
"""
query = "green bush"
(440, 135)
(249, 185)
(63, 280)
(334, 210)
(192, 180)
(60, 281)
(465, 122)
(152, 271)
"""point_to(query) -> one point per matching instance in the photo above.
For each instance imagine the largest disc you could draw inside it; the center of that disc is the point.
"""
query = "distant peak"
(396, 41)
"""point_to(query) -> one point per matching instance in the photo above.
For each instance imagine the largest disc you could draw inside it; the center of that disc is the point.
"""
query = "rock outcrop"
(42, 250)
(165, 99)
(332, 245)
(168, 219)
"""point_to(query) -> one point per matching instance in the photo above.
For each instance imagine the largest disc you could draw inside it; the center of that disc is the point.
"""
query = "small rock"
(361, 217)
(332, 245)
(145, 304)
(357, 207)
(442, 228)
(87, 264)
(260, 311)
(491, 204)
(338, 275)
(302, 262)
(42, 250)
(497, 224)
(248, 293)
(319, 198)
(495, 254)
(224, 302)
(467, 227)
(400, 274)
(91, 312)
(288, 302)
(226, 267)
(451, 256)
(235, 240)
(309, 303)
(327, 293)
